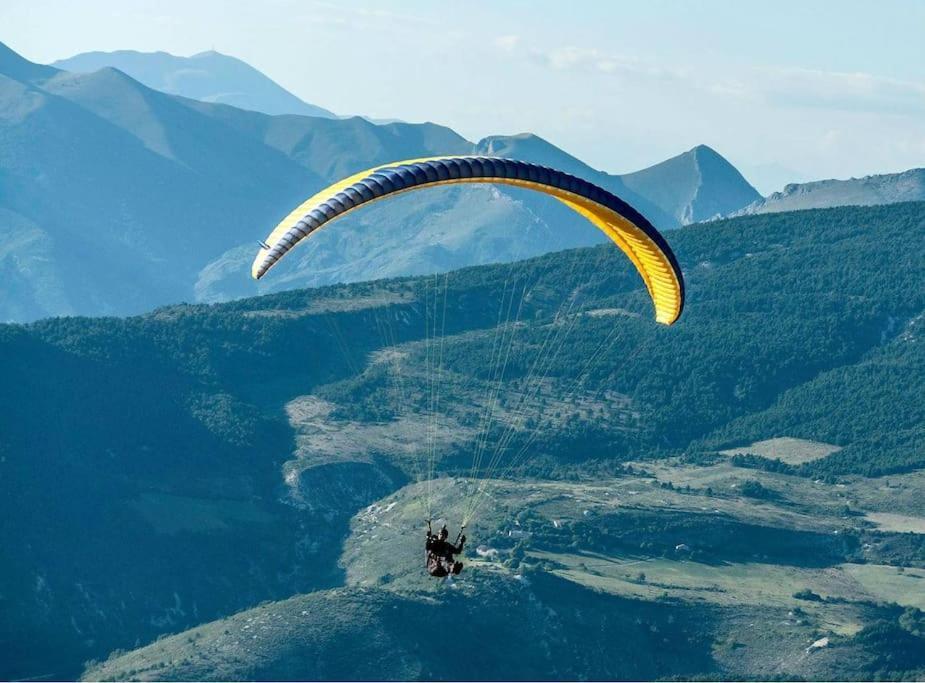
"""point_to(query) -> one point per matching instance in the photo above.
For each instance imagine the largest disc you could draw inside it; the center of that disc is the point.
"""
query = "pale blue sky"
(785, 90)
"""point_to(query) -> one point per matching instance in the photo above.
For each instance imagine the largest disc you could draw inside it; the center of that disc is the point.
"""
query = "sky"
(787, 91)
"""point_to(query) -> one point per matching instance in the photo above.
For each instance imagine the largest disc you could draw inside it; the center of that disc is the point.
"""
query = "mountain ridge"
(208, 76)
(17, 67)
(714, 187)
(174, 193)
(885, 188)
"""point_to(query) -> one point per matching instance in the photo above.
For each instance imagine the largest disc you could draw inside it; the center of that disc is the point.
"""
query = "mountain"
(441, 229)
(18, 68)
(207, 76)
(115, 196)
(695, 186)
(532, 148)
(679, 486)
(891, 188)
(103, 180)
(159, 198)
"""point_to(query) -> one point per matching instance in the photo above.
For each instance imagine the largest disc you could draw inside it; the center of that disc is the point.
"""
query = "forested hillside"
(194, 461)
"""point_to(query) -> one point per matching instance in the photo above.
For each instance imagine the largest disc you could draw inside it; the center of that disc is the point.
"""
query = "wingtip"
(668, 319)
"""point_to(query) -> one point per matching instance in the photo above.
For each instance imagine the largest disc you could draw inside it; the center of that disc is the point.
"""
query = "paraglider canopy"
(629, 230)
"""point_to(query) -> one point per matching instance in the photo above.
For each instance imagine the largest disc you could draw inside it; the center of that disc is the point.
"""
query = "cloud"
(755, 86)
(507, 43)
(366, 18)
(775, 86)
(852, 92)
(590, 60)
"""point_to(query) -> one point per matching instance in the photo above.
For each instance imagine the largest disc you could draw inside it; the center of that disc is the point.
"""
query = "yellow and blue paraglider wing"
(628, 229)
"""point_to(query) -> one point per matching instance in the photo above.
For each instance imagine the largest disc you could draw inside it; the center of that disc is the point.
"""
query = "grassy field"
(787, 449)
(904, 524)
(737, 584)
(904, 586)
(725, 584)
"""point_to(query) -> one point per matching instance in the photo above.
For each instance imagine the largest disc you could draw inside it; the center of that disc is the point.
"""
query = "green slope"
(888, 383)
(517, 630)
(196, 460)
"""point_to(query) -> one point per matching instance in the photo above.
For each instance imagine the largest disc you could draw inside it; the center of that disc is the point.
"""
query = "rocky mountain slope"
(890, 188)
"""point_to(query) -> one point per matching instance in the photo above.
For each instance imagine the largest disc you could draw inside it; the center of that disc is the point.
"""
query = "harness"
(441, 565)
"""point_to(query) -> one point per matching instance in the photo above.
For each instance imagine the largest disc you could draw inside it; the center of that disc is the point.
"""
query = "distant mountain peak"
(694, 186)
(531, 147)
(704, 148)
(208, 76)
(706, 152)
(116, 74)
